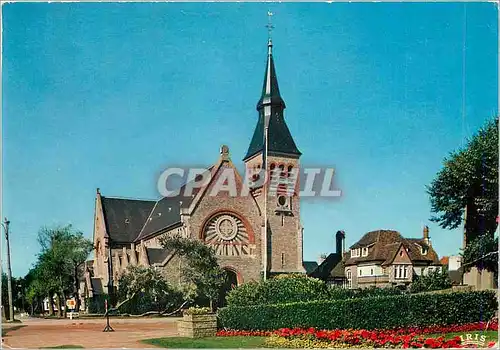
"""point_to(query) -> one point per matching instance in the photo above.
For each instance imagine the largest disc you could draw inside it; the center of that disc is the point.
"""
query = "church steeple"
(271, 108)
(270, 89)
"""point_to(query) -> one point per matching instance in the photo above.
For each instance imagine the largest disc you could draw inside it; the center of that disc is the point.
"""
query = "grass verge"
(208, 342)
(490, 335)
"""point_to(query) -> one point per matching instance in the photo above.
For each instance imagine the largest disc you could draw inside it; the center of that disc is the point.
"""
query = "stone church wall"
(248, 267)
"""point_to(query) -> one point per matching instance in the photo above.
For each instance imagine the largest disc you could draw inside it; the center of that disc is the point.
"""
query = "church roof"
(166, 213)
(280, 139)
(124, 218)
(157, 255)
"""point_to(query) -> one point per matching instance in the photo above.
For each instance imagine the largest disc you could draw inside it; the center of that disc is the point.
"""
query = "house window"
(360, 272)
(354, 253)
(401, 253)
(424, 250)
(395, 272)
(364, 252)
(282, 259)
(405, 268)
(371, 272)
(349, 279)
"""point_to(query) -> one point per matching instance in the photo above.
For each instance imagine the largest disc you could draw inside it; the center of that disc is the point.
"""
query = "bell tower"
(273, 150)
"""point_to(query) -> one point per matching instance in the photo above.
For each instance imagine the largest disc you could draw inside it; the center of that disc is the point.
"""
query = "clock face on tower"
(227, 234)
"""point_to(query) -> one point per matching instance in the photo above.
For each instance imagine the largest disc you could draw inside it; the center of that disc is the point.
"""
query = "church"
(127, 231)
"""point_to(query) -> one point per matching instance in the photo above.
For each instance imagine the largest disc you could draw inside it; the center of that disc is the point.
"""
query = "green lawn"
(208, 343)
(490, 335)
(258, 342)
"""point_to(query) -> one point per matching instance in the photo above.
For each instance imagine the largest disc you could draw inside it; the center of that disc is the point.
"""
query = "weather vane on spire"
(269, 25)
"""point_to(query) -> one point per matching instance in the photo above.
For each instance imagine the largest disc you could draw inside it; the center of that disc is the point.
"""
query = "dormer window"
(424, 250)
(355, 253)
(364, 251)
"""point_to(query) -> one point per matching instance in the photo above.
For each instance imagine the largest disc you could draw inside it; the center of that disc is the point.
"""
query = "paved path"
(37, 333)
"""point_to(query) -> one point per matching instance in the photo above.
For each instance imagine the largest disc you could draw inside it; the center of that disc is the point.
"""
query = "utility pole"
(5, 225)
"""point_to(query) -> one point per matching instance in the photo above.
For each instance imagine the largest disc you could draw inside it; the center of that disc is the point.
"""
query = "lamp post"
(5, 225)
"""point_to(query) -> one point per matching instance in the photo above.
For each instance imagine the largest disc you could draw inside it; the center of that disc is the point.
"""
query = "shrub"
(283, 289)
(435, 280)
(365, 313)
(95, 305)
(339, 293)
(198, 311)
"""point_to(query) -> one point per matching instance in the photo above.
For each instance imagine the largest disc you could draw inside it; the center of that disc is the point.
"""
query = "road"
(37, 333)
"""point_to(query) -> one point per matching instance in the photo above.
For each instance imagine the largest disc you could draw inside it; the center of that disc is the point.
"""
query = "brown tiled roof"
(338, 270)
(384, 245)
(415, 253)
(444, 260)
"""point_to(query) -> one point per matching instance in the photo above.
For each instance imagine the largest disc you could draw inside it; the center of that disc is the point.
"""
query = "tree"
(144, 290)
(59, 265)
(201, 270)
(469, 179)
(482, 253)
(434, 280)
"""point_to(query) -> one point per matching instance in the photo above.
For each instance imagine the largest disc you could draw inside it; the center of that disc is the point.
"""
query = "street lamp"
(5, 225)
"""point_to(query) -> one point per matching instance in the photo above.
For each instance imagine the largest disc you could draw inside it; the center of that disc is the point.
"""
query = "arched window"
(282, 170)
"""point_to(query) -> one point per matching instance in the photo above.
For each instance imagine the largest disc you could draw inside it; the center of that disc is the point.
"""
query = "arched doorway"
(230, 282)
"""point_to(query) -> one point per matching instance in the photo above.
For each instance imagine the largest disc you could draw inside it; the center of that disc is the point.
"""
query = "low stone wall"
(196, 326)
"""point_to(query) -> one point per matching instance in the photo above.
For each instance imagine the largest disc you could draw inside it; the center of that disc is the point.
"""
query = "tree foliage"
(280, 289)
(434, 280)
(59, 265)
(201, 270)
(469, 178)
(142, 289)
(482, 253)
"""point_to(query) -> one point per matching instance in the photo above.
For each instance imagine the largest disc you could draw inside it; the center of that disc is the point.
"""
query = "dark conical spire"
(270, 89)
(271, 107)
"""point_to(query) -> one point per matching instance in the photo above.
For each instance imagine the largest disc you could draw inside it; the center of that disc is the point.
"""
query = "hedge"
(278, 290)
(365, 313)
(294, 288)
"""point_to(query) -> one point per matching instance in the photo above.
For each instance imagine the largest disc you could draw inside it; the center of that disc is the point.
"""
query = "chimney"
(340, 243)
(426, 235)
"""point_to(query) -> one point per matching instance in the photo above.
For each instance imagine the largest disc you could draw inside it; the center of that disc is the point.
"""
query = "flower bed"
(393, 338)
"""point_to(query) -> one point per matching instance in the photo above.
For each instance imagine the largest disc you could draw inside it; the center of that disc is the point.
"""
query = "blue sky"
(107, 95)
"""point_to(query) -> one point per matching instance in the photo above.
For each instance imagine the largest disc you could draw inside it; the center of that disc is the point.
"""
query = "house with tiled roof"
(331, 268)
(385, 258)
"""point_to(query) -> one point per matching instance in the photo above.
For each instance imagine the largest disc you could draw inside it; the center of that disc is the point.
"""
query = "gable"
(401, 256)
(220, 190)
